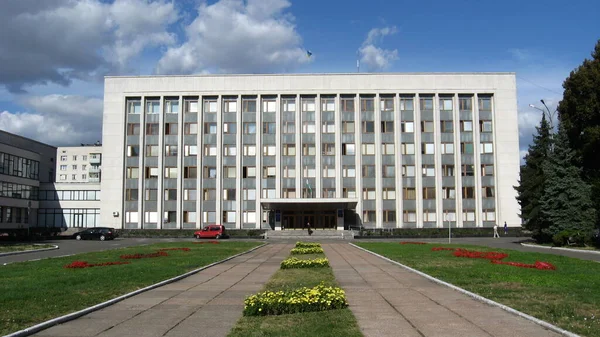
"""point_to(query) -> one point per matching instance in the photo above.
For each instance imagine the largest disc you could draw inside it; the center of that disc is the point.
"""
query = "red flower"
(435, 249)
(84, 264)
(479, 255)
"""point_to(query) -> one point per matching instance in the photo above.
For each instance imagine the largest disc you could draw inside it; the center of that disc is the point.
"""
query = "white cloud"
(236, 36)
(374, 57)
(57, 119)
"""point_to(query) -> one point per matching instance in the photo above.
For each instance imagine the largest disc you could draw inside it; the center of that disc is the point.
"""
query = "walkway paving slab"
(388, 300)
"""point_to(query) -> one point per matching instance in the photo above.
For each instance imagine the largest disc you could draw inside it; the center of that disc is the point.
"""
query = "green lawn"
(33, 292)
(6, 248)
(323, 323)
(568, 297)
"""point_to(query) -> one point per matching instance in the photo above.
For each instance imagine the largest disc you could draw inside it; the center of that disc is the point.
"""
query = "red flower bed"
(435, 249)
(495, 258)
(479, 255)
(537, 265)
(143, 256)
(412, 243)
(185, 249)
(84, 264)
(203, 242)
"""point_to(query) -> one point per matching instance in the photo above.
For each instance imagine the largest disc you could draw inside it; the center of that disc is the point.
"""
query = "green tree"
(566, 202)
(579, 112)
(532, 179)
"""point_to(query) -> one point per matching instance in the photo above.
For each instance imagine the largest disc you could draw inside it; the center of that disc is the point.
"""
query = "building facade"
(332, 150)
(79, 164)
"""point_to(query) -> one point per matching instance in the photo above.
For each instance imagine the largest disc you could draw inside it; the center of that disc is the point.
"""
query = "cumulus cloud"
(237, 36)
(56, 41)
(56, 119)
(373, 57)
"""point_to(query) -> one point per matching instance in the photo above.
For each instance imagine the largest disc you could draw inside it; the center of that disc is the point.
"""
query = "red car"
(212, 232)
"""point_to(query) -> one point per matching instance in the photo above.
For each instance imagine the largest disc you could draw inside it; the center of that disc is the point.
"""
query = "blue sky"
(60, 58)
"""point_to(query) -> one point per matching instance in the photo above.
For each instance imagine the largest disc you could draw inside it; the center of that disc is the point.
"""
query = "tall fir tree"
(566, 203)
(532, 179)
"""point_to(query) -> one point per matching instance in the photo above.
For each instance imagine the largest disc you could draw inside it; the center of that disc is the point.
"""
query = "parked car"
(212, 231)
(100, 233)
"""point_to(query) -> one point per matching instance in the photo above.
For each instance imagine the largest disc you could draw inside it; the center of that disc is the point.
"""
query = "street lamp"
(546, 112)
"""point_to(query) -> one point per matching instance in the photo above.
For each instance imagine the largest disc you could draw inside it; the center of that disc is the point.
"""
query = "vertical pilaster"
(259, 167)
(239, 147)
(219, 165)
(439, 217)
(318, 144)
(160, 192)
(378, 163)
(358, 155)
(338, 147)
(477, 162)
(457, 161)
(418, 162)
(398, 162)
(180, 133)
(141, 170)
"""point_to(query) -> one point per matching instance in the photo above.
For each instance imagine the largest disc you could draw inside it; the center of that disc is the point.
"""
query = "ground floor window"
(69, 217)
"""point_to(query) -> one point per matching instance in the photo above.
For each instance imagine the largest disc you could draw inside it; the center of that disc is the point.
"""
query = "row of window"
(18, 191)
(64, 177)
(75, 157)
(14, 215)
(288, 104)
(69, 217)
(18, 166)
(69, 195)
(370, 216)
(73, 167)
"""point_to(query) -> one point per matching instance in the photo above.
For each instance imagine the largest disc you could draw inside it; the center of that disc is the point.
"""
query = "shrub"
(307, 244)
(570, 237)
(294, 262)
(319, 298)
(312, 250)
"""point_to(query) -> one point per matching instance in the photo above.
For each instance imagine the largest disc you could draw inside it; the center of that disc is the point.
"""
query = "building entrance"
(299, 219)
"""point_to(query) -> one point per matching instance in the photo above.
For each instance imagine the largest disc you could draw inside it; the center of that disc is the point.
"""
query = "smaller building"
(79, 164)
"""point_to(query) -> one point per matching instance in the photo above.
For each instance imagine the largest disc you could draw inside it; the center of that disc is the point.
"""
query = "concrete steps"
(318, 234)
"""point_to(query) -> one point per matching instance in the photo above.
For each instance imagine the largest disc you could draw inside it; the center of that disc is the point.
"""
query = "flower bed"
(435, 249)
(294, 262)
(412, 243)
(143, 256)
(479, 255)
(84, 264)
(307, 244)
(537, 265)
(205, 242)
(185, 249)
(317, 298)
(495, 258)
(313, 250)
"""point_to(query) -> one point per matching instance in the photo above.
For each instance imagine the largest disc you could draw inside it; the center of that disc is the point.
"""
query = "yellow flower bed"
(307, 244)
(294, 262)
(318, 298)
(312, 250)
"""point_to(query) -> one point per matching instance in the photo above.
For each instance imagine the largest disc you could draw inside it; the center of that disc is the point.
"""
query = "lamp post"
(546, 112)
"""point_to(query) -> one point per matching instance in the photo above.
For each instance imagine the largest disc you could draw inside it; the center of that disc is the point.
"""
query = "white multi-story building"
(79, 164)
(332, 150)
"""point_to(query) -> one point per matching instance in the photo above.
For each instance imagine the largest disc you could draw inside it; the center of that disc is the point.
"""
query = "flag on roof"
(308, 53)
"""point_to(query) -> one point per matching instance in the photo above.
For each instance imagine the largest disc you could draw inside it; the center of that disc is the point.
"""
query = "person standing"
(505, 228)
(496, 235)
(309, 230)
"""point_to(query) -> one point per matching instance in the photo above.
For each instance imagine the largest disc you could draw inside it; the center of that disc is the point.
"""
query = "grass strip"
(340, 322)
(22, 247)
(567, 297)
(36, 291)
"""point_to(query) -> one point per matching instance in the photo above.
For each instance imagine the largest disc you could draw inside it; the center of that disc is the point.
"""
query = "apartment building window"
(387, 104)
(191, 106)
(387, 126)
(348, 171)
(388, 148)
(309, 172)
(170, 194)
(210, 128)
(426, 103)
(131, 194)
(388, 171)
(151, 150)
(485, 126)
(171, 172)
(134, 107)
(151, 172)
(406, 104)
(409, 193)
(229, 106)
(249, 128)
(487, 170)
(249, 150)
(190, 128)
(486, 148)
(408, 170)
(389, 216)
(468, 215)
(308, 104)
(467, 170)
(248, 172)
(368, 149)
(308, 127)
(429, 216)
(74, 167)
(426, 126)
(209, 216)
(63, 167)
(268, 193)
(389, 193)
(409, 216)
(133, 150)
(465, 103)
(189, 194)
(288, 127)
(249, 216)
(348, 149)
(152, 107)
(466, 126)
(488, 192)
(327, 104)
(466, 148)
(408, 148)
(190, 172)
(309, 150)
(268, 150)
(368, 126)
(329, 172)
(369, 216)
(63, 177)
(428, 171)
(229, 128)
(289, 172)
(468, 192)
(189, 216)
(368, 171)
(171, 106)
(171, 150)
(209, 194)
(210, 150)
(328, 127)
(428, 193)
(132, 172)
(83, 167)
(269, 172)
(63, 158)
(427, 148)
(488, 215)
(349, 192)
(269, 105)
(348, 127)
(289, 149)
(328, 193)
(73, 177)
(84, 158)
(347, 104)
(448, 193)
(151, 129)
(248, 105)
(190, 150)
(407, 127)
(228, 194)
(446, 103)
(446, 126)
(367, 104)
(210, 106)
(447, 148)
(485, 103)
(210, 172)
(288, 104)
(229, 150)
(133, 129)
(447, 170)
(84, 176)
(229, 172)
(248, 194)
(269, 128)
(151, 194)
(229, 216)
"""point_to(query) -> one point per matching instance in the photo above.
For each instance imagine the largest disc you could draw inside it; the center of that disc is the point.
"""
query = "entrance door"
(288, 222)
(77, 220)
(309, 219)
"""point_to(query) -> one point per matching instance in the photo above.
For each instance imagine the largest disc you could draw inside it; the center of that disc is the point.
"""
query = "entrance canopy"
(308, 204)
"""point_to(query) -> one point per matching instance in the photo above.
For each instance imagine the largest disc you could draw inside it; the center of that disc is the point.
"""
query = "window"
(328, 127)
(388, 171)
(447, 126)
(134, 107)
(387, 104)
(210, 105)
(151, 129)
(133, 129)
(406, 104)
(328, 193)
(468, 215)
(428, 193)
(131, 217)
(327, 104)
(151, 150)
(486, 148)
(289, 172)
(348, 127)
(189, 216)
(468, 192)
(407, 127)
(269, 105)
(288, 127)
(308, 127)
(485, 103)
(63, 177)
(448, 193)
(329, 172)
(210, 128)
(426, 126)
(63, 158)
(230, 106)
(229, 216)
(229, 172)
(171, 150)
(190, 128)
(466, 126)
(249, 150)
(209, 194)
(426, 103)
(410, 216)
(133, 150)
(269, 128)
(348, 192)
(429, 216)
(229, 128)
(63, 167)
(150, 217)
(171, 194)
(83, 167)
(487, 170)
(348, 171)
(150, 194)
(229, 150)
(368, 171)
(209, 216)
(427, 148)
(409, 193)
(485, 126)
(132, 172)
(348, 149)
(210, 150)
(268, 193)
(189, 194)
(171, 106)
(447, 170)
(369, 193)
(368, 126)
(229, 194)
(210, 172)
(249, 217)
(388, 148)
(347, 104)
(289, 150)
(288, 104)
(467, 170)
(308, 104)
(428, 171)
(466, 148)
(465, 103)
(248, 172)
(389, 193)
(309, 172)
(190, 150)
(73, 177)
(190, 172)
(269, 172)
(387, 126)
(151, 173)
(488, 215)
(368, 149)
(248, 105)
(309, 150)
(367, 104)
(191, 106)
(84, 176)
(487, 192)
(248, 194)
(249, 128)
(408, 148)
(268, 150)
(408, 170)
(171, 172)
(84, 158)
(447, 148)
(446, 103)
(369, 216)
(152, 107)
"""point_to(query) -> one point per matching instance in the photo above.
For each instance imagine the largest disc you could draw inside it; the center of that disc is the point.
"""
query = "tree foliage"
(579, 112)
(566, 201)
(532, 179)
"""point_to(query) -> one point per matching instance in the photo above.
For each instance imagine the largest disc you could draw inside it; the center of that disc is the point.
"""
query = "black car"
(101, 233)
